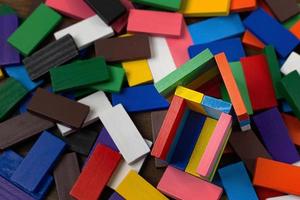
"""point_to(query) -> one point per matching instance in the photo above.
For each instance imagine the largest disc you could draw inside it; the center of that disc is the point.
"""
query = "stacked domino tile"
(150, 99)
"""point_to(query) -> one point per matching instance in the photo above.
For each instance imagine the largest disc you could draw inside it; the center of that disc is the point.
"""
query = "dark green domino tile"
(224, 93)
(172, 5)
(34, 29)
(83, 92)
(274, 68)
(239, 77)
(114, 84)
(290, 90)
(79, 74)
(11, 92)
(6, 10)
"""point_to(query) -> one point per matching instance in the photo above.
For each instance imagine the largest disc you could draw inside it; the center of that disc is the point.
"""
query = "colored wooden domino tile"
(215, 107)
(50, 56)
(233, 176)
(157, 119)
(271, 32)
(65, 175)
(283, 10)
(137, 72)
(216, 28)
(8, 54)
(180, 185)
(248, 147)
(275, 136)
(43, 20)
(141, 187)
(260, 88)
(291, 64)
(97, 102)
(96, 173)
(252, 41)
(202, 141)
(77, 9)
(173, 5)
(86, 31)
(10, 161)
(186, 73)
(202, 8)
(140, 98)
(108, 10)
(295, 30)
(144, 21)
(11, 93)
(58, 108)
(232, 48)
(127, 48)
(284, 176)
(293, 126)
(214, 147)
(114, 85)
(274, 68)
(187, 140)
(19, 73)
(238, 73)
(290, 91)
(178, 46)
(20, 128)
(241, 6)
(79, 74)
(126, 136)
(40, 160)
(168, 129)
(161, 62)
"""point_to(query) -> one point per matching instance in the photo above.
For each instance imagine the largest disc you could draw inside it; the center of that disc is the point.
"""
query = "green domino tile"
(172, 5)
(290, 90)
(186, 73)
(224, 93)
(239, 77)
(291, 22)
(274, 68)
(6, 10)
(11, 92)
(34, 29)
(79, 74)
(115, 83)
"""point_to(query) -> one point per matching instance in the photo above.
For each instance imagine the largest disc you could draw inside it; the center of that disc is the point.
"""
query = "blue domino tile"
(39, 161)
(140, 98)
(237, 183)
(233, 48)
(214, 107)
(216, 28)
(271, 32)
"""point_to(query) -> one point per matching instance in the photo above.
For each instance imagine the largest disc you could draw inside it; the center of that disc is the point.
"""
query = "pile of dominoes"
(218, 79)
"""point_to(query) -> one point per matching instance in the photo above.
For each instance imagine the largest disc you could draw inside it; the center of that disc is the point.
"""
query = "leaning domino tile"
(180, 185)
(126, 136)
(43, 20)
(98, 102)
(291, 64)
(236, 182)
(215, 107)
(161, 62)
(121, 22)
(76, 9)
(40, 160)
(87, 31)
(241, 6)
(155, 22)
(216, 28)
(172, 5)
(8, 54)
(141, 190)
(252, 41)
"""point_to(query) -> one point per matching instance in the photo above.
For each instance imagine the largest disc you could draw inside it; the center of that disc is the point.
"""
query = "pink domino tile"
(121, 23)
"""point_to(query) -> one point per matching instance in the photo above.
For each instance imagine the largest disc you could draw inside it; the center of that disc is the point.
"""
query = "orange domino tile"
(293, 125)
(242, 5)
(252, 41)
(278, 176)
(295, 29)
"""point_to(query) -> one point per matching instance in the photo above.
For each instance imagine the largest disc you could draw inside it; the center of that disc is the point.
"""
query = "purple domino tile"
(275, 136)
(8, 55)
(10, 192)
(116, 196)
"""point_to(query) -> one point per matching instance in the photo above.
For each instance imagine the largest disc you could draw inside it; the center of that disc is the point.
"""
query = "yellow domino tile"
(192, 97)
(205, 135)
(137, 72)
(1, 74)
(205, 8)
(203, 78)
(134, 187)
